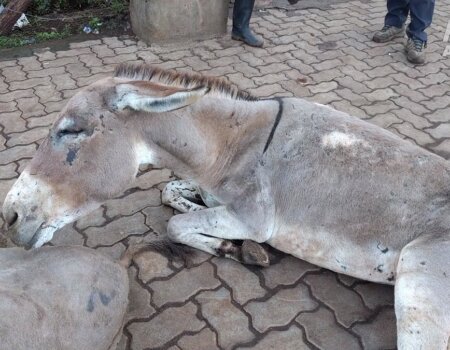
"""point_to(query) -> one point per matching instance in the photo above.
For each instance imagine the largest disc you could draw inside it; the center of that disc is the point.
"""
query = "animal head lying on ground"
(94, 149)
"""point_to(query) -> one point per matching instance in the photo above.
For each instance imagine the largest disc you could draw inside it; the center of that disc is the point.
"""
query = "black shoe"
(242, 12)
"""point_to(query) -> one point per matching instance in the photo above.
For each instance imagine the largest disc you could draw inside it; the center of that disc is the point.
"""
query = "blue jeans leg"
(421, 16)
(397, 12)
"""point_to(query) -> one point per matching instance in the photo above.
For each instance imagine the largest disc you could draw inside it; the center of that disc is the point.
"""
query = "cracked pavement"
(324, 55)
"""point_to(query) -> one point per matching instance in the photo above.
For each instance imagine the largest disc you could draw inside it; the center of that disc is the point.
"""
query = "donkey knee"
(175, 229)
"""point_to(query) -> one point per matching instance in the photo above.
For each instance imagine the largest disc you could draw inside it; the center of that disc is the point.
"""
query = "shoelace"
(386, 28)
(419, 44)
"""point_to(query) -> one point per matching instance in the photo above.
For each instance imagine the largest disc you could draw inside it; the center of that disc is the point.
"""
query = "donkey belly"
(370, 261)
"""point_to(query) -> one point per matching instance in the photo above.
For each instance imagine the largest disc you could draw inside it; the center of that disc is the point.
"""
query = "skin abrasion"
(328, 188)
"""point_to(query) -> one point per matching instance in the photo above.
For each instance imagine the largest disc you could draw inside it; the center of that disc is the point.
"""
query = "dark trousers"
(421, 12)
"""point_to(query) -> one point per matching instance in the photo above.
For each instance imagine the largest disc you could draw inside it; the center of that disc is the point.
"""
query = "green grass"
(17, 40)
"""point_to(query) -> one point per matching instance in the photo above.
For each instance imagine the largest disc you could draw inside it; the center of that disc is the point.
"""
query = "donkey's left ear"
(147, 97)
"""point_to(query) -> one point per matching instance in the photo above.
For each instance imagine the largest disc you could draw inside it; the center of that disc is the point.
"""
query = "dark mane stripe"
(181, 79)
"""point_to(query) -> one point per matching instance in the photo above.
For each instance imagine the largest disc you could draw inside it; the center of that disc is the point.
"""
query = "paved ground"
(322, 55)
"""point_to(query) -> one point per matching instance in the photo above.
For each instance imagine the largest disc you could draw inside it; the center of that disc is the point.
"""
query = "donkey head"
(91, 154)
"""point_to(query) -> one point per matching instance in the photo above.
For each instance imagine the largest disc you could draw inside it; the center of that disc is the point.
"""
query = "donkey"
(65, 298)
(304, 178)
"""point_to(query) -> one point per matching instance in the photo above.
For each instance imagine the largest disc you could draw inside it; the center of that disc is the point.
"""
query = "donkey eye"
(71, 132)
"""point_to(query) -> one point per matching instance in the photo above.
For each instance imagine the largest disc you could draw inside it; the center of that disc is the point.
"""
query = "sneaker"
(387, 33)
(415, 52)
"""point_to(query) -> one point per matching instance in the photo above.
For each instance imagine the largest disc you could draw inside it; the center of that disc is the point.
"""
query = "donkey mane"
(215, 85)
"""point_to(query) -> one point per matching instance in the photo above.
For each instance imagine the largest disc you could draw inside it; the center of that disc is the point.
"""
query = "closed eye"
(70, 132)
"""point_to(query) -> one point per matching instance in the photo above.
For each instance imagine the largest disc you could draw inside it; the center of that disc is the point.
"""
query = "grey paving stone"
(204, 340)
(116, 230)
(156, 333)
(189, 282)
(346, 303)
(380, 333)
(322, 331)
(133, 203)
(152, 265)
(286, 272)
(245, 284)
(376, 295)
(139, 299)
(281, 308)
(231, 323)
(290, 339)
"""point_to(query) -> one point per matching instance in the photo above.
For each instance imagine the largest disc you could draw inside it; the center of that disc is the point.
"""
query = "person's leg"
(242, 12)
(421, 15)
(397, 13)
(394, 22)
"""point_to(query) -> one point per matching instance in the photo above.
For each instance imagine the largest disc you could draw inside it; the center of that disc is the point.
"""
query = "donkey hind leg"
(183, 196)
(422, 294)
(211, 230)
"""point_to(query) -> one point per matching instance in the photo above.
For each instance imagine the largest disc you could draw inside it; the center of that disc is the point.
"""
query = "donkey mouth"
(32, 243)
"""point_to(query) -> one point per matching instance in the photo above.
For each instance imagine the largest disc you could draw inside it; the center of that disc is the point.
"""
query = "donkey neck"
(202, 139)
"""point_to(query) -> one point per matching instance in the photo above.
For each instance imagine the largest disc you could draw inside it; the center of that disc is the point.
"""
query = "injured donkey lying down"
(304, 178)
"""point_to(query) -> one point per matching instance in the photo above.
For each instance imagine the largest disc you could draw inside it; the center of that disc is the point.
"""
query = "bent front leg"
(182, 195)
(422, 294)
(211, 230)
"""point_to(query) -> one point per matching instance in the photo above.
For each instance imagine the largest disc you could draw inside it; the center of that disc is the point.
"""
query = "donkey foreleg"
(182, 195)
(211, 230)
(422, 294)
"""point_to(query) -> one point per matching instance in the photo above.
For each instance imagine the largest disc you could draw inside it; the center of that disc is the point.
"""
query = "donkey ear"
(148, 97)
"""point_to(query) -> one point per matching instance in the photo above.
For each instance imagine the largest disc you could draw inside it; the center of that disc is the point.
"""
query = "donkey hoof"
(254, 254)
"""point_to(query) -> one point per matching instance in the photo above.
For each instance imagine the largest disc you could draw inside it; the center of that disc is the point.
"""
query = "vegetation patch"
(60, 19)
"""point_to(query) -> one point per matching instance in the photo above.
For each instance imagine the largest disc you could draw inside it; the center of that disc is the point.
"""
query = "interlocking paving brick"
(29, 83)
(385, 120)
(151, 178)
(290, 339)
(17, 152)
(27, 137)
(14, 73)
(45, 120)
(12, 96)
(376, 295)
(95, 218)
(133, 203)
(380, 94)
(67, 236)
(190, 282)
(420, 137)
(30, 107)
(321, 330)
(281, 308)
(46, 93)
(152, 265)
(116, 230)
(156, 333)
(442, 149)
(346, 303)
(46, 72)
(380, 333)
(139, 298)
(60, 62)
(204, 340)
(231, 324)
(8, 106)
(286, 272)
(244, 283)
(8, 171)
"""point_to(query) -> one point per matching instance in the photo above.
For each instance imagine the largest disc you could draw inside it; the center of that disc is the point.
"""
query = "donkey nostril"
(11, 218)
